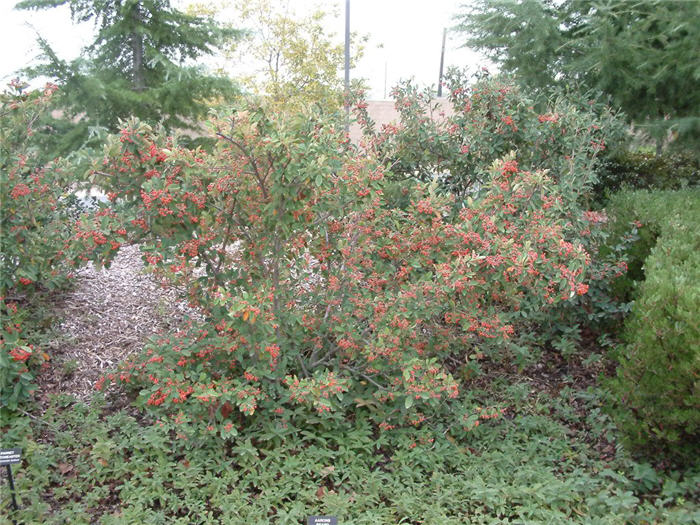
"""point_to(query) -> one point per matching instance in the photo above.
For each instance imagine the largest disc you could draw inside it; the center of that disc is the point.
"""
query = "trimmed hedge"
(658, 378)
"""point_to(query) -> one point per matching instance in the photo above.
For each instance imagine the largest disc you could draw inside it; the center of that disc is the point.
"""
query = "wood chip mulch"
(110, 314)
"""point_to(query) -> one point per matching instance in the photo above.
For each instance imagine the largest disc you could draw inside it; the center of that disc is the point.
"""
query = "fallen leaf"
(327, 470)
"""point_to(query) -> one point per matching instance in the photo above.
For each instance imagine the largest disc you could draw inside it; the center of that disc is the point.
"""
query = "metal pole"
(442, 62)
(12, 490)
(386, 67)
(347, 65)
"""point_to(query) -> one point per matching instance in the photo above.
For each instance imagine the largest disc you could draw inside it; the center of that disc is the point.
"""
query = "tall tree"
(643, 53)
(292, 60)
(142, 62)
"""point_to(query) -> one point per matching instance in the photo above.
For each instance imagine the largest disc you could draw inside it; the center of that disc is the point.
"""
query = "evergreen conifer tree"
(643, 53)
(141, 63)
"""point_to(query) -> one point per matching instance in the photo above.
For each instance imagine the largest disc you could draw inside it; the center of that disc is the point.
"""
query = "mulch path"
(108, 315)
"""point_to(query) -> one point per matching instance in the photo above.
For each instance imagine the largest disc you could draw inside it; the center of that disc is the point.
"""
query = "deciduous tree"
(296, 62)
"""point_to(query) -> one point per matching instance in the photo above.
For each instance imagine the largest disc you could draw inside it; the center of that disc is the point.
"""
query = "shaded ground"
(109, 315)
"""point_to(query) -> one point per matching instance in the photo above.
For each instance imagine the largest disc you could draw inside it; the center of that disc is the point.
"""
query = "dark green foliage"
(640, 171)
(523, 37)
(142, 62)
(657, 386)
(642, 215)
(643, 53)
(541, 465)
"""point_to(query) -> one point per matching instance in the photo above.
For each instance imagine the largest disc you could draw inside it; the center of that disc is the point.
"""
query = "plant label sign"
(8, 456)
(322, 520)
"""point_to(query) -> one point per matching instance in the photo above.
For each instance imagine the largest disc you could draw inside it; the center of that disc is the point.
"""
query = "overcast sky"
(409, 32)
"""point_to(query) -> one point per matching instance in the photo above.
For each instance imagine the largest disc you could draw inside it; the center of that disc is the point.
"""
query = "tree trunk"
(138, 81)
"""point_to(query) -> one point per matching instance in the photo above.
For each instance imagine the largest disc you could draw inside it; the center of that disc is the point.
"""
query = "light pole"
(442, 62)
(347, 65)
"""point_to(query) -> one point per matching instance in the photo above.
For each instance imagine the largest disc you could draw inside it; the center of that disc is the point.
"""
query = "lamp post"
(347, 65)
(442, 62)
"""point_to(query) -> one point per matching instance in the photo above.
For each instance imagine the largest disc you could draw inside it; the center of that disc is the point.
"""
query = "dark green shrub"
(657, 379)
(638, 171)
(641, 215)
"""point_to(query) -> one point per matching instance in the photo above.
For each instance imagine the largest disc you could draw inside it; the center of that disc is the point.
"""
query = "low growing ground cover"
(551, 458)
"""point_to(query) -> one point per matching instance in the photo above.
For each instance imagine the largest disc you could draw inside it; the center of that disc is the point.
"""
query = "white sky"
(409, 32)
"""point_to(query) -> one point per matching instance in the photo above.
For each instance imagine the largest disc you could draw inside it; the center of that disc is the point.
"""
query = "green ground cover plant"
(552, 459)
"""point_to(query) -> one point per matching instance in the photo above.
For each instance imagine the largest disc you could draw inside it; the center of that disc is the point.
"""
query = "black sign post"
(8, 456)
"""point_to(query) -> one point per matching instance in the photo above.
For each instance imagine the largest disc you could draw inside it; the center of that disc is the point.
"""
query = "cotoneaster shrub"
(482, 120)
(34, 233)
(455, 143)
(317, 291)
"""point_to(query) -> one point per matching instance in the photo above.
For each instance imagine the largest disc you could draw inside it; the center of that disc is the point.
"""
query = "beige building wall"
(384, 112)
